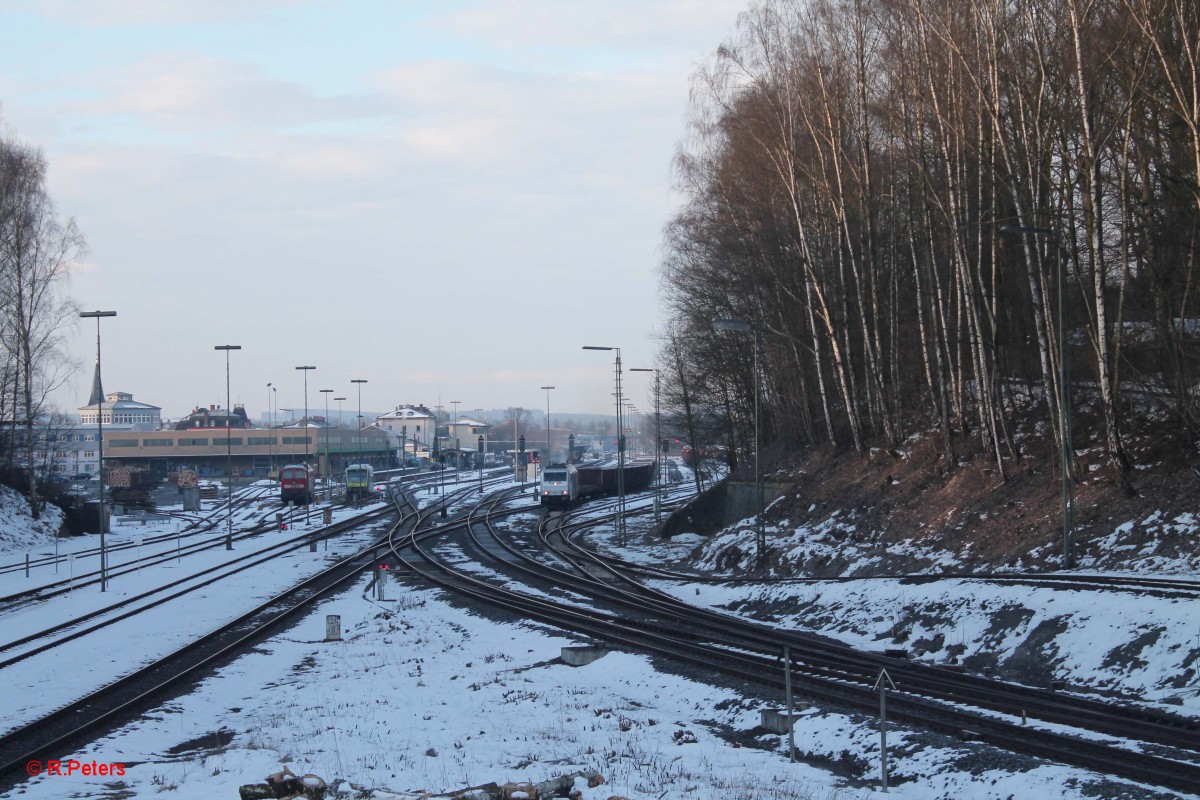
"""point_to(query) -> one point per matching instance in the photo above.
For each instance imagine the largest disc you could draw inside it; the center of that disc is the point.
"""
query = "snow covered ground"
(422, 695)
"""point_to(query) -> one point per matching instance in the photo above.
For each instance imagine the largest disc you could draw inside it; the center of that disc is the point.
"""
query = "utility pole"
(228, 444)
(657, 445)
(547, 453)
(98, 400)
(359, 382)
(328, 470)
(620, 444)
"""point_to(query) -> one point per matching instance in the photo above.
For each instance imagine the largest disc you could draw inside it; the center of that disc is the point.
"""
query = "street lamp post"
(441, 472)
(547, 454)
(457, 449)
(271, 423)
(99, 398)
(479, 450)
(657, 444)
(1064, 394)
(228, 445)
(620, 445)
(328, 471)
(359, 382)
(403, 453)
(340, 440)
(743, 325)
(305, 370)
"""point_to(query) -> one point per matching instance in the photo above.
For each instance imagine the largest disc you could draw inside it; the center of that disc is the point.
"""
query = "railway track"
(605, 602)
(127, 607)
(942, 700)
(126, 697)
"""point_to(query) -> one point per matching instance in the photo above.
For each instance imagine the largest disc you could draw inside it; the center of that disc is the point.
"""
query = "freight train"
(296, 484)
(564, 484)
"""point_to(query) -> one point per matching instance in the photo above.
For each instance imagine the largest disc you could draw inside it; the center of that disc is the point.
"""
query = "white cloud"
(632, 24)
(195, 93)
(106, 13)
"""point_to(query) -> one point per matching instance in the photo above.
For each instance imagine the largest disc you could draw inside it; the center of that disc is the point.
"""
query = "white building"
(119, 408)
(71, 449)
(416, 424)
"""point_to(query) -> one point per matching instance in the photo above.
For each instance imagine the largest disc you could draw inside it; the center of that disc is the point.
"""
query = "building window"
(237, 440)
(123, 443)
(157, 442)
(261, 440)
(193, 442)
(297, 440)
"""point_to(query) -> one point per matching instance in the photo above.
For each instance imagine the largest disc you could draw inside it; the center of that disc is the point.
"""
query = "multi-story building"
(416, 425)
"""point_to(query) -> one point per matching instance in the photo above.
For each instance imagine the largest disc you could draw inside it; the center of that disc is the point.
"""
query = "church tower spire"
(97, 390)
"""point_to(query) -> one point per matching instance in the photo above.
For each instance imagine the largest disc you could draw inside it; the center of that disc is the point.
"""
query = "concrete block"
(581, 655)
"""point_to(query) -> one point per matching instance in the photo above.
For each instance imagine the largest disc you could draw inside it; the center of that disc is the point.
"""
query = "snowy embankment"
(425, 696)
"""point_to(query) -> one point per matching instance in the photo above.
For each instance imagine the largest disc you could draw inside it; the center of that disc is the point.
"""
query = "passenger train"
(360, 481)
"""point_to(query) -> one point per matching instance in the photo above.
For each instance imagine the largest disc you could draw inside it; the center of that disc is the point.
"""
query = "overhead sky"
(447, 199)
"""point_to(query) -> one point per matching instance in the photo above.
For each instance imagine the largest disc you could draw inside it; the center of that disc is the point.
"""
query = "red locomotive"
(296, 484)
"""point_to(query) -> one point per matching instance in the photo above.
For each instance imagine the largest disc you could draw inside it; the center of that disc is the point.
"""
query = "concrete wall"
(721, 506)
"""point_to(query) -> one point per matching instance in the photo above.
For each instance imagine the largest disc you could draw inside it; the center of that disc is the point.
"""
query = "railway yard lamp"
(305, 370)
(479, 450)
(457, 450)
(620, 444)
(743, 326)
(307, 497)
(547, 453)
(341, 440)
(657, 444)
(1064, 394)
(359, 382)
(441, 471)
(228, 445)
(271, 422)
(98, 398)
(328, 471)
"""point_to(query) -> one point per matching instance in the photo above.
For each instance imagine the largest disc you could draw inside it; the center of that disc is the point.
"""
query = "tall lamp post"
(271, 422)
(657, 445)
(341, 442)
(99, 398)
(328, 471)
(744, 325)
(547, 455)
(228, 445)
(620, 445)
(479, 450)
(1064, 394)
(457, 449)
(305, 370)
(359, 382)
(441, 470)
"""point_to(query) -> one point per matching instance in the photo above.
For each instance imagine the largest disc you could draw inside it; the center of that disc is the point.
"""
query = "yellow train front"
(360, 481)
